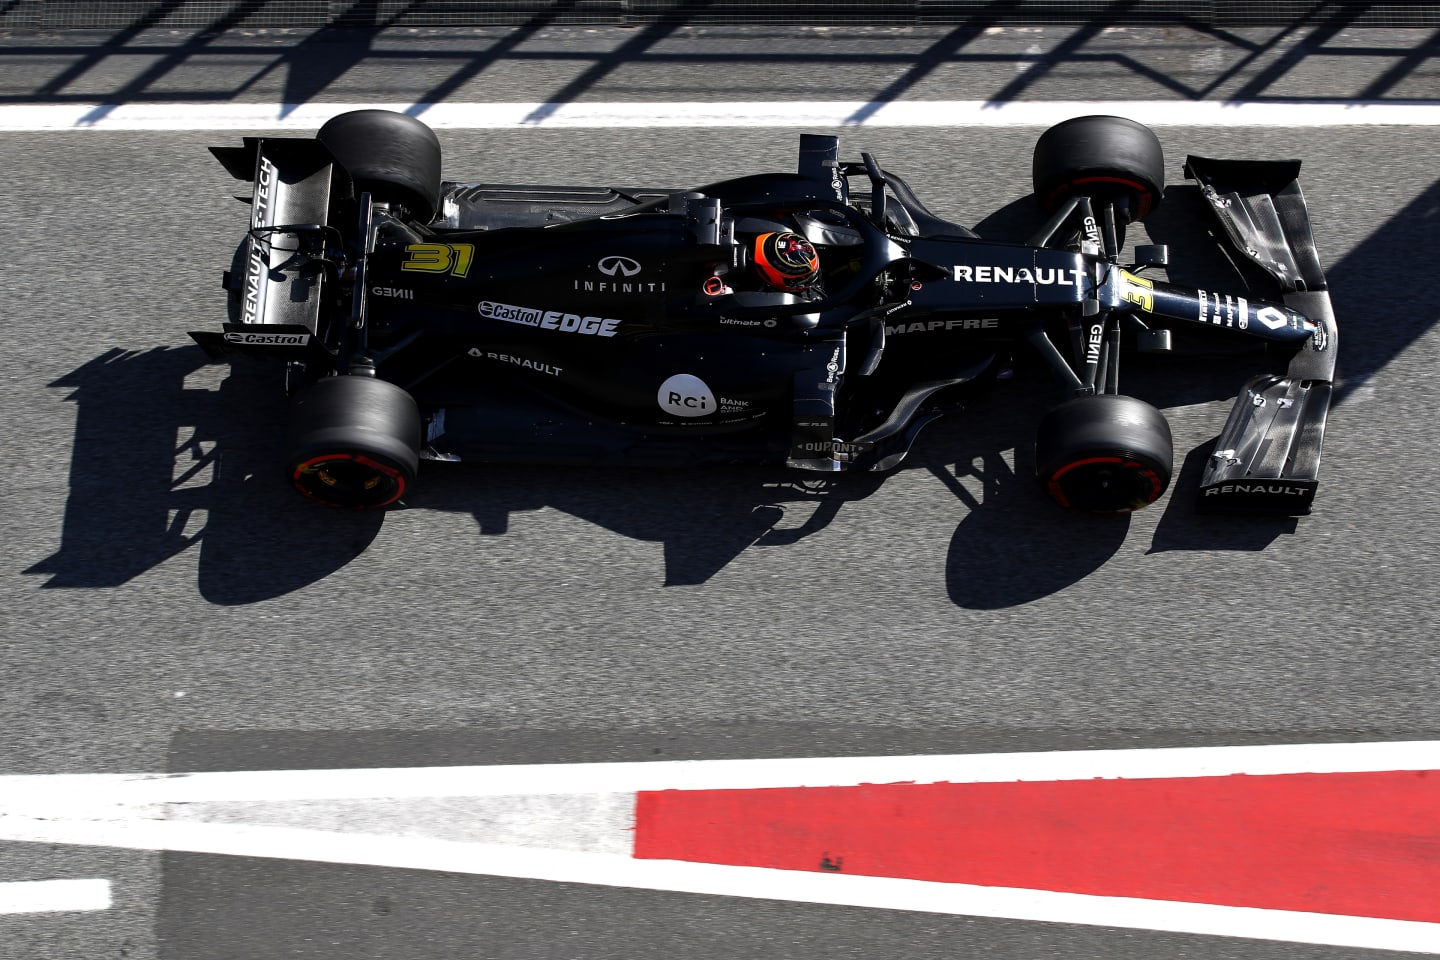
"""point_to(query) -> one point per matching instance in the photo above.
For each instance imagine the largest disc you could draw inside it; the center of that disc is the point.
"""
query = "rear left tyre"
(1104, 454)
(354, 442)
(392, 155)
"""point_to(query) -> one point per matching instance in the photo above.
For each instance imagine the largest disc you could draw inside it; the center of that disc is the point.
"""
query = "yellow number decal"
(453, 258)
(427, 258)
(1138, 290)
(464, 253)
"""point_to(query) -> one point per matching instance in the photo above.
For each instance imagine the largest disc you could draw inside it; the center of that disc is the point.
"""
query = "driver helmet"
(786, 261)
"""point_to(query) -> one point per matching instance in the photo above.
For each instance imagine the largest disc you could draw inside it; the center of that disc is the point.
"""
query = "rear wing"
(283, 284)
(1267, 457)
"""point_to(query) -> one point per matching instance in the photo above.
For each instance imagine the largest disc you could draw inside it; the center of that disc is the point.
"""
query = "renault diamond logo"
(1269, 316)
(621, 265)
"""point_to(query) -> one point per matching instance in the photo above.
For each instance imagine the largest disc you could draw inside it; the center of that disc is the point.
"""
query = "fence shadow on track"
(1258, 63)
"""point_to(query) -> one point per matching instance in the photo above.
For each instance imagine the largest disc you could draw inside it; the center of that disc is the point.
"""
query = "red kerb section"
(1359, 844)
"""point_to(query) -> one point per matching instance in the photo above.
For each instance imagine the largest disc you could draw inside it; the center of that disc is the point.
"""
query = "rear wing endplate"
(294, 180)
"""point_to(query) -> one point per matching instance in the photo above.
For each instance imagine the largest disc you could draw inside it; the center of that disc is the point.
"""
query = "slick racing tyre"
(393, 156)
(354, 442)
(1106, 158)
(1104, 454)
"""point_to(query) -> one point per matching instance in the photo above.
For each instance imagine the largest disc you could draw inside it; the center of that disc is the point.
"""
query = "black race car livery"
(816, 318)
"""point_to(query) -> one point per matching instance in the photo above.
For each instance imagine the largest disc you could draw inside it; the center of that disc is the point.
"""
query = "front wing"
(1267, 457)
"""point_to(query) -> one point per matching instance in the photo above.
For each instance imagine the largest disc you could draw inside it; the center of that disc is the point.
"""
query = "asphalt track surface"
(168, 604)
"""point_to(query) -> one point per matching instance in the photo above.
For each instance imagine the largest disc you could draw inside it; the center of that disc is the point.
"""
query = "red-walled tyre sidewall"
(1104, 454)
(1099, 157)
(354, 442)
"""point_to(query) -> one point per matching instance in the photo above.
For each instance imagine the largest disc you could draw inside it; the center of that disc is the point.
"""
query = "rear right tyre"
(354, 442)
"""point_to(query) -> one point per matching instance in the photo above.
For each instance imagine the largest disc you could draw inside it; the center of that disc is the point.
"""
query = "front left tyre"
(1106, 158)
(354, 442)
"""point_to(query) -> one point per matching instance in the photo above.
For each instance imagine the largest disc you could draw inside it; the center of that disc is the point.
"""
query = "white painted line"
(17, 118)
(839, 889)
(584, 822)
(36, 793)
(54, 896)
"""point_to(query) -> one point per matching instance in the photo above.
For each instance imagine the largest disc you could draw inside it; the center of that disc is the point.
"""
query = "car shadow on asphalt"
(158, 469)
(703, 517)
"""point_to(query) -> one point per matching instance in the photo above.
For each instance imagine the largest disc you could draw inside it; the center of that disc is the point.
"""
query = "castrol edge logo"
(549, 319)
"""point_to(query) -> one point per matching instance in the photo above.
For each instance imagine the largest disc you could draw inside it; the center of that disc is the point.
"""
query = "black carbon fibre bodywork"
(594, 325)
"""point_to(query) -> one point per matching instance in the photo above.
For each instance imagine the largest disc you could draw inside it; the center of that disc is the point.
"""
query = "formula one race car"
(777, 318)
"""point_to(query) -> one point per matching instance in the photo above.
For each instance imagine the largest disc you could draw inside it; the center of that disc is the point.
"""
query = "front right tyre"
(1104, 454)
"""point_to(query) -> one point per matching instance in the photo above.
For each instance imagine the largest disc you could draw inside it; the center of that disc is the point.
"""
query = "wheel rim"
(1110, 484)
(349, 480)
